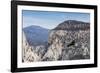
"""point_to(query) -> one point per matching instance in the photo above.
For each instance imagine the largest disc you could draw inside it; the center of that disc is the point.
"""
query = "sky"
(51, 19)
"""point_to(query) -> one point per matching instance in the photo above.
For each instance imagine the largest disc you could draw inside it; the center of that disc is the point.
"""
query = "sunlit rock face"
(28, 55)
(68, 41)
(59, 40)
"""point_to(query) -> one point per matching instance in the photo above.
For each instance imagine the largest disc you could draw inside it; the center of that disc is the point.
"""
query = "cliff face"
(68, 45)
(28, 54)
(69, 42)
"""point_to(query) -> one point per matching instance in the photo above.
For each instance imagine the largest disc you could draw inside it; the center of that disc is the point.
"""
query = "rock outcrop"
(70, 25)
(28, 54)
(59, 40)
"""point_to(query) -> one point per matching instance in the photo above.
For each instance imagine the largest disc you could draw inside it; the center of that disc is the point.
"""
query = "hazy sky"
(49, 19)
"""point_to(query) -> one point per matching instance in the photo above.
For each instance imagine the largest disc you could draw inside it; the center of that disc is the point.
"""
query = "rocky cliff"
(68, 45)
(68, 41)
(28, 54)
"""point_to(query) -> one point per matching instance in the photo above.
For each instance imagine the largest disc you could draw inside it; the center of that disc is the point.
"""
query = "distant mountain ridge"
(73, 25)
(36, 35)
